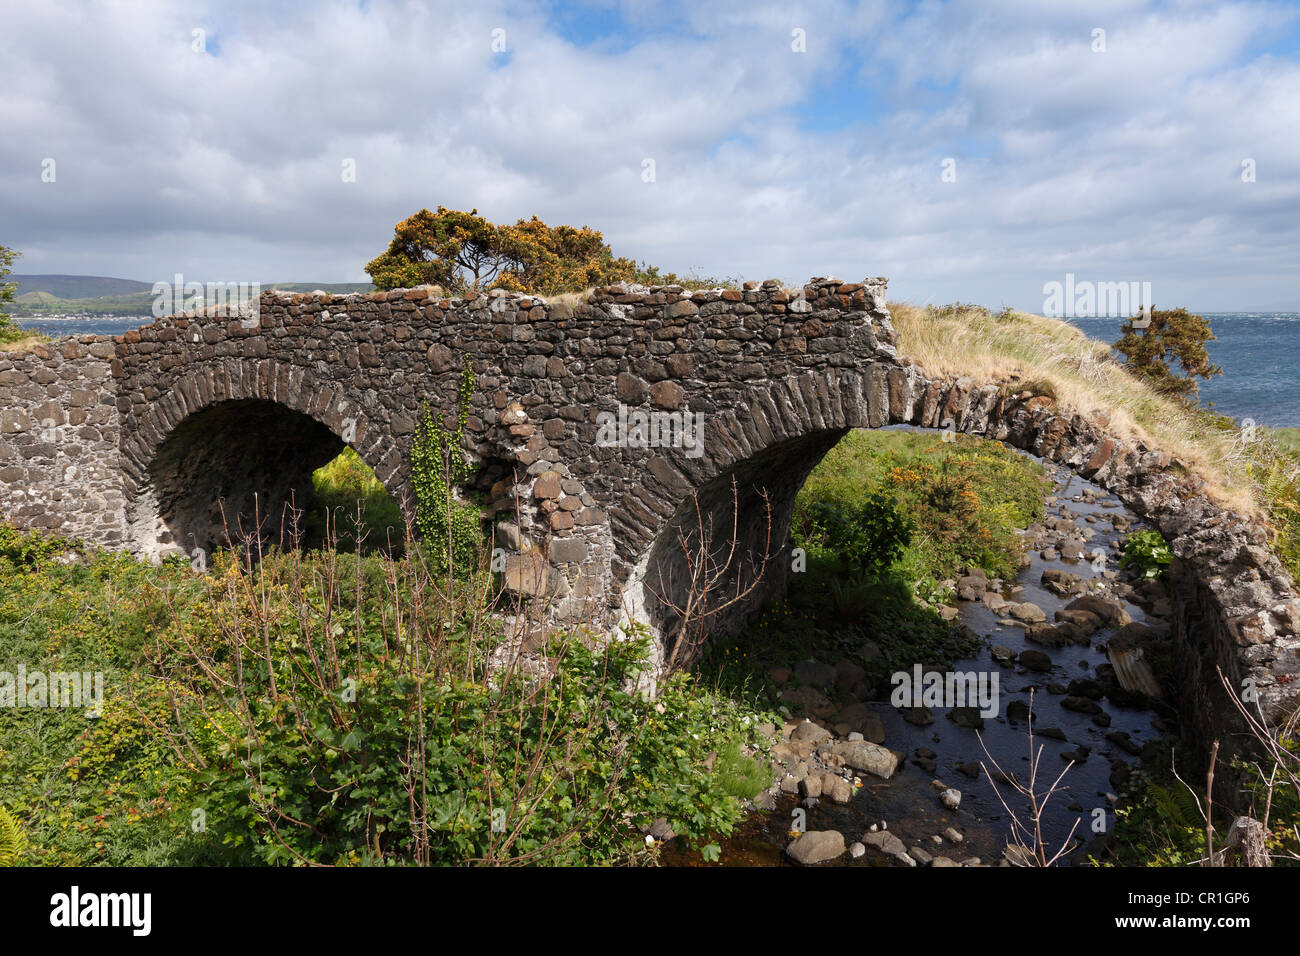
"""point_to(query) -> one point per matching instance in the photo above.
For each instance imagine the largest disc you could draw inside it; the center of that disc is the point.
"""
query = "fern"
(1176, 806)
(11, 839)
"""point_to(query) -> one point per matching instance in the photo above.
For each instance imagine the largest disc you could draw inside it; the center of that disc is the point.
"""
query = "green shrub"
(1147, 554)
(867, 537)
(342, 487)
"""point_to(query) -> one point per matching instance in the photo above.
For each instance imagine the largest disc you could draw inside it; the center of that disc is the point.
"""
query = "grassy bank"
(1256, 471)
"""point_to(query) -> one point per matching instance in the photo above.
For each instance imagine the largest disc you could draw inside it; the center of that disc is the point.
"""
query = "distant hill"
(100, 295)
(78, 287)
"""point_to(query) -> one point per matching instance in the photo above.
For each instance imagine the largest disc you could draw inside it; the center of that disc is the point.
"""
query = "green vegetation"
(8, 331)
(340, 488)
(450, 528)
(1147, 554)
(1162, 821)
(464, 253)
(932, 509)
(362, 729)
(964, 498)
(1172, 339)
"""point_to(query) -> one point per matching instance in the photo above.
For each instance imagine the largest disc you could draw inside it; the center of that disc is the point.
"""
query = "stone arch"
(227, 430)
(769, 441)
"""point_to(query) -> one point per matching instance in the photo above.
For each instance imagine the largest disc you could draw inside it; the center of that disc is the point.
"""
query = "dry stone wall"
(60, 467)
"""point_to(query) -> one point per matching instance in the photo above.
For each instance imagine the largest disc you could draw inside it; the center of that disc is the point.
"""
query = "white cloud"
(1123, 164)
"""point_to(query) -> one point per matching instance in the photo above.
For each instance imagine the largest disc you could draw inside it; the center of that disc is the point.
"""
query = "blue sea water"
(1258, 351)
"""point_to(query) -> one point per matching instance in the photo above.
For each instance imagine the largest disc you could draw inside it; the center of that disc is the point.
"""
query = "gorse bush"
(1169, 352)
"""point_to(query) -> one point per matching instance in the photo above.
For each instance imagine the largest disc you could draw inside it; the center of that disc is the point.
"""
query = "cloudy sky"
(968, 150)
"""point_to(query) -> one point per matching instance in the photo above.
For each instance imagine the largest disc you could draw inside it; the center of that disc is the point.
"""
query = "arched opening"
(983, 595)
(243, 470)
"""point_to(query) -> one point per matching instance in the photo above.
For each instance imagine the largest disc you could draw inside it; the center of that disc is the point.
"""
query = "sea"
(1259, 353)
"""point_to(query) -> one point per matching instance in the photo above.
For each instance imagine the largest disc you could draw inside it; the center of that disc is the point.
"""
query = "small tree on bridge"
(465, 253)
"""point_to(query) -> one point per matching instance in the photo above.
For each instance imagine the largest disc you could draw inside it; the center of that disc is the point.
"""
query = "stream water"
(908, 803)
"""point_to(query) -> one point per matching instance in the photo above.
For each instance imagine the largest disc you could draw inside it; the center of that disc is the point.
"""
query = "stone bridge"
(171, 436)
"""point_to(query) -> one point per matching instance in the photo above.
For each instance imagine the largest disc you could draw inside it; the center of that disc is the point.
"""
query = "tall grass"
(1254, 471)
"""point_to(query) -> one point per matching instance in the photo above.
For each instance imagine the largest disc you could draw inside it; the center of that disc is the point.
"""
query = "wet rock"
(994, 601)
(920, 855)
(1017, 710)
(1086, 687)
(864, 721)
(1072, 551)
(1027, 611)
(952, 836)
(1102, 719)
(951, 798)
(1124, 742)
(970, 769)
(968, 717)
(816, 846)
(1081, 705)
(837, 789)
(1019, 856)
(917, 716)
(1078, 755)
(1085, 621)
(1003, 655)
(1061, 583)
(886, 843)
(810, 732)
(1047, 635)
(857, 850)
(1107, 609)
(867, 757)
(1052, 733)
(1035, 661)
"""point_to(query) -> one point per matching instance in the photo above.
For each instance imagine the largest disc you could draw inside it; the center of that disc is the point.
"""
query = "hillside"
(77, 287)
(101, 295)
